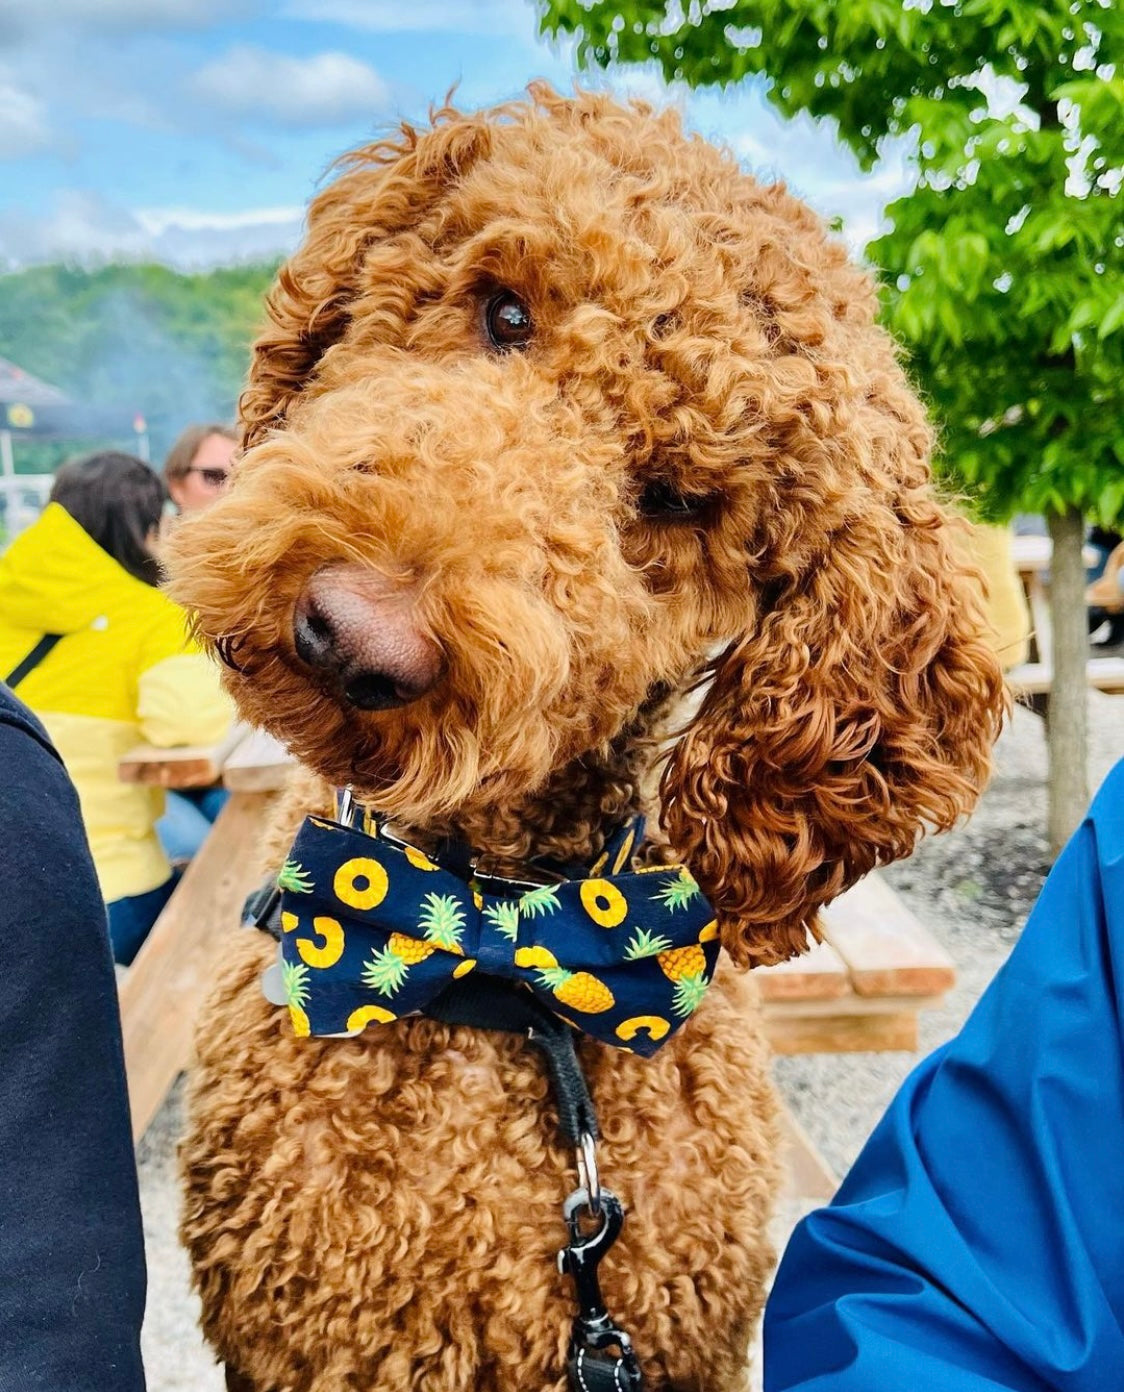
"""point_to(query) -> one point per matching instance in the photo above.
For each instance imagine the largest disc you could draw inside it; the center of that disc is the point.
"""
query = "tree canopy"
(1002, 270)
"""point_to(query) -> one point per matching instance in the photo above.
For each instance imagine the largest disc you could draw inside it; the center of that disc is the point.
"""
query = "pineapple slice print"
(442, 922)
(294, 878)
(579, 990)
(295, 978)
(604, 902)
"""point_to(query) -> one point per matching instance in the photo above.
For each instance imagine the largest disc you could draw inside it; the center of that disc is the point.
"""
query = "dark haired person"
(198, 465)
(72, 1275)
(104, 660)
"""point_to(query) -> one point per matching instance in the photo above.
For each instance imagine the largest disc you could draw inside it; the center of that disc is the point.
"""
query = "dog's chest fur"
(403, 1189)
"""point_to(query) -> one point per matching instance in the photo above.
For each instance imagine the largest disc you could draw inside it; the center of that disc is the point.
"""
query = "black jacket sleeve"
(72, 1276)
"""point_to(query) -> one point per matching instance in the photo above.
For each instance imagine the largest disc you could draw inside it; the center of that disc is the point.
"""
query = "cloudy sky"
(194, 131)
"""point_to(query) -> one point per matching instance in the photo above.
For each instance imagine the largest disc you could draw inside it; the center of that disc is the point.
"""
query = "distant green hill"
(141, 337)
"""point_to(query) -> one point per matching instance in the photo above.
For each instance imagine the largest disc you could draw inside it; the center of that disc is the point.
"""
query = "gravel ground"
(972, 889)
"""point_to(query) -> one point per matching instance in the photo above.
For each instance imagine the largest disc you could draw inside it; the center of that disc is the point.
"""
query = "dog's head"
(558, 410)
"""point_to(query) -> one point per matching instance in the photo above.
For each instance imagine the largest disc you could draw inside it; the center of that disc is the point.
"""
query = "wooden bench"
(863, 986)
(1036, 678)
(162, 990)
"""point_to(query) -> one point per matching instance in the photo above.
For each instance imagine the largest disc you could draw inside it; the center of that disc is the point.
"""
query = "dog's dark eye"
(507, 320)
(663, 501)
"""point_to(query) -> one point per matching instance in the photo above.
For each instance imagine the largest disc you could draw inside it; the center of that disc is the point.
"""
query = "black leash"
(600, 1357)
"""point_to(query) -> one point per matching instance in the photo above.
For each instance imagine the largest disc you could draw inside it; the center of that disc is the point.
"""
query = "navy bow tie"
(373, 930)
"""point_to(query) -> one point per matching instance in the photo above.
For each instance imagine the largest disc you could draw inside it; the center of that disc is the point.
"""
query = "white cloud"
(816, 167)
(327, 89)
(159, 220)
(24, 128)
(418, 16)
(85, 228)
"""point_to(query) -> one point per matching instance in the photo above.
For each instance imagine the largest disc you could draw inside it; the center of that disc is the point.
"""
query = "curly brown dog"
(559, 417)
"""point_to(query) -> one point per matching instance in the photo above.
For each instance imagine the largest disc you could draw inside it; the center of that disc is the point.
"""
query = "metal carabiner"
(588, 1178)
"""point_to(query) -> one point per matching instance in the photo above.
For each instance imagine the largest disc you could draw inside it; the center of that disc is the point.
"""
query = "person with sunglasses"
(198, 465)
(196, 470)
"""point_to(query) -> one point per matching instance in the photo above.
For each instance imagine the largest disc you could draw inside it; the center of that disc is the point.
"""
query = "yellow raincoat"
(124, 671)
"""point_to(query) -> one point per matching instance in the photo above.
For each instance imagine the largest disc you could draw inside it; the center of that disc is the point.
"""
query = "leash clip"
(600, 1357)
(588, 1178)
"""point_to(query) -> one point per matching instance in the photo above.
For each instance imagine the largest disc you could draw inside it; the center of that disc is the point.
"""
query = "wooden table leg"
(162, 990)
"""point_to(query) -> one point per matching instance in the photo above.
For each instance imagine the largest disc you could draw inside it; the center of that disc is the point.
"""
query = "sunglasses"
(213, 478)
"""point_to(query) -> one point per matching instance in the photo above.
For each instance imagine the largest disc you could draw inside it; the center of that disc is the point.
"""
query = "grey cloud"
(327, 89)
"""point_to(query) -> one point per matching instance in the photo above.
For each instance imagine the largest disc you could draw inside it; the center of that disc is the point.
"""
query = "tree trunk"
(1067, 729)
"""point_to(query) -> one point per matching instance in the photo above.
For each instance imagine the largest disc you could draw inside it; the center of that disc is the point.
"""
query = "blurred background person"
(1105, 595)
(196, 470)
(104, 659)
(198, 465)
(1005, 604)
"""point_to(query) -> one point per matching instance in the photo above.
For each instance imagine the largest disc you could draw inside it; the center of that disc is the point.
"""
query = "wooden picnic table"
(1032, 556)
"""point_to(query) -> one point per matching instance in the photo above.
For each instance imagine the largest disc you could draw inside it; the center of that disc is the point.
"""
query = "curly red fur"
(380, 1213)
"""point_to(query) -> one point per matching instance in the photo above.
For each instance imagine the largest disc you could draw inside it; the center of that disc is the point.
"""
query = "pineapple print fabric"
(373, 931)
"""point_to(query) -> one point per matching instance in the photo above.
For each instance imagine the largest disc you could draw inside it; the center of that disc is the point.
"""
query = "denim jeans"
(188, 815)
(130, 919)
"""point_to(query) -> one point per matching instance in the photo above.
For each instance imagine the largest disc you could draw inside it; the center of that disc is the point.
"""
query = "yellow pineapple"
(410, 950)
(681, 962)
(535, 957)
(442, 921)
(359, 1019)
(686, 966)
(603, 901)
(418, 859)
(675, 962)
(295, 978)
(579, 990)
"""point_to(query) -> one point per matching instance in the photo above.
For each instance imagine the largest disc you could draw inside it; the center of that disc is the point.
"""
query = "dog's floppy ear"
(384, 189)
(858, 712)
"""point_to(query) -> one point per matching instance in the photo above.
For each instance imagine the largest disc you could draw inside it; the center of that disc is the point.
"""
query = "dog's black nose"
(361, 632)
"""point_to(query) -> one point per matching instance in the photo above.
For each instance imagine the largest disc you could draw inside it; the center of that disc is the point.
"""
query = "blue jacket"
(72, 1275)
(978, 1242)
